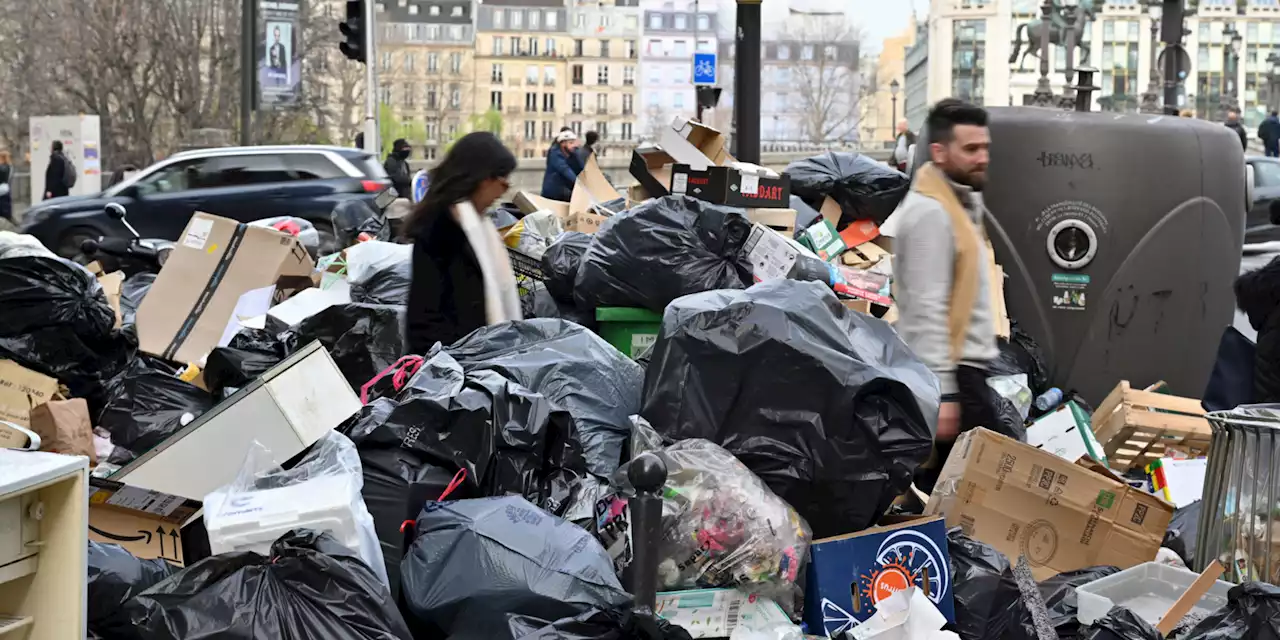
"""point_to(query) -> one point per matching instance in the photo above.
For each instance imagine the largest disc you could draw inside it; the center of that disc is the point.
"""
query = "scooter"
(131, 255)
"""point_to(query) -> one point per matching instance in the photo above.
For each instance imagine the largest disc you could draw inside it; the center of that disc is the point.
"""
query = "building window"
(431, 129)
(628, 75)
(682, 21)
(455, 32)
(530, 130)
(577, 48)
(806, 52)
(384, 95)
(832, 52)
(678, 100)
(631, 49)
(682, 48)
(429, 153)
(602, 128)
(455, 62)
(602, 74)
(515, 45)
(1119, 66)
(531, 74)
(548, 103)
(577, 74)
(497, 18)
(550, 19)
(655, 21)
(455, 98)
(409, 59)
(580, 20)
(433, 62)
(546, 130)
(969, 44)
(627, 103)
(602, 103)
(533, 19)
(626, 131)
(431, 97)
(549, 76)
(495, 74)
(653, 98)
(386, 61)
(497, 45)
(551, 47)
(604, 48)
(406, 93)
(530, 102)
(784, 52)
(517, 19)
(495, 100)
(705, 46)
(533, 46)
(576, 125)
(433, 32)
(575, 102)
(457, 12)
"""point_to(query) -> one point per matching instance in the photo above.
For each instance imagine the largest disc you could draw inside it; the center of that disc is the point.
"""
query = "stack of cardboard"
(586, 209)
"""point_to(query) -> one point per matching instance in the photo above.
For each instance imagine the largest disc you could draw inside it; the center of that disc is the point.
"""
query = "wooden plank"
(1164, 402)
(1167, 422)
(1108, 406)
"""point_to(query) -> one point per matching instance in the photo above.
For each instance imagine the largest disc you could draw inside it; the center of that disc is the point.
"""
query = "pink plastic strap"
(400, 372)
(458, 479)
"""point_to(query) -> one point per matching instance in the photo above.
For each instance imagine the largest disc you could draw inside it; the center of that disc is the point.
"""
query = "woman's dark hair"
(592, 138)
(949, 112)
(474, 158)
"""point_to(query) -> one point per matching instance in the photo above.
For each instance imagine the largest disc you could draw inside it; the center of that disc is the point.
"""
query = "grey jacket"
(923, 267)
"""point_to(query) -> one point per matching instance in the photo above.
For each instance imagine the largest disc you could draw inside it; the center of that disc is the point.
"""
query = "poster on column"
(279, 64)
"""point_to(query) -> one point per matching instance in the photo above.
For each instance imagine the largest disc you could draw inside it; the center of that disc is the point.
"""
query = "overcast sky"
(879, 18)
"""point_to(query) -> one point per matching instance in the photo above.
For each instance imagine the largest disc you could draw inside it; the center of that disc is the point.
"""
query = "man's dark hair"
(1275, 113)
(949, 112)
(592, 137)
(563, 129)
(57, 145)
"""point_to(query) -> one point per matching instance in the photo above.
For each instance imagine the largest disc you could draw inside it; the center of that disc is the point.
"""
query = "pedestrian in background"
(1233, 123)
(60, 175)
(940, 264)
(1269, 134)
(562, 167)
(587, 149)
(902, 148)
(447, 295)
(397, 167)
(6, 186)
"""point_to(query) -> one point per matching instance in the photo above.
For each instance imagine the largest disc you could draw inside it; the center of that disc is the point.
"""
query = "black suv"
(241, 183)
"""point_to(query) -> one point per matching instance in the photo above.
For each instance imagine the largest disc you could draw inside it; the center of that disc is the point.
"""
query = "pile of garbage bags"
(864, 188)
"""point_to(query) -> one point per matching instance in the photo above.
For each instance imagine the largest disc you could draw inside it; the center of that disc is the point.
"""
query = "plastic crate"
(526, 266)
(1148, 589)
(629, 329)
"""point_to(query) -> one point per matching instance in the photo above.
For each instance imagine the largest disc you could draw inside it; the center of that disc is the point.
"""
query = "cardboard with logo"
(216, 261)
(1061, 516)
(740, 185)
(148, 524)
(591, 189)
(21, 390)
(849, 575)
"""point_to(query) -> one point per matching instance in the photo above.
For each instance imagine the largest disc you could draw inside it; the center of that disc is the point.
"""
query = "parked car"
(241, 183)
(1263, 221)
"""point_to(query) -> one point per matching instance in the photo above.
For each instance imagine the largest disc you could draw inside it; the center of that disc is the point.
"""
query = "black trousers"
(977, 409)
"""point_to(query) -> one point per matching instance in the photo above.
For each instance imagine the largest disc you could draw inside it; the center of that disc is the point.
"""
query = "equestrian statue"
(1088, 10)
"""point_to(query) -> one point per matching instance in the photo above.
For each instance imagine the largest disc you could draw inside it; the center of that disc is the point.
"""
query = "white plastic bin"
(1148, 590)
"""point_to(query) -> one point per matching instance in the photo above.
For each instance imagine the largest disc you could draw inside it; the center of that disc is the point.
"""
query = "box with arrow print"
(148, 524)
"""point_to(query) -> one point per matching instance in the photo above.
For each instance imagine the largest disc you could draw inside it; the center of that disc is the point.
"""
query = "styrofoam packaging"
(1148, 589)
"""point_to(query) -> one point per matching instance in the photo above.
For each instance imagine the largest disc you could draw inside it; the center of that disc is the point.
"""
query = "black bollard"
(647, 474)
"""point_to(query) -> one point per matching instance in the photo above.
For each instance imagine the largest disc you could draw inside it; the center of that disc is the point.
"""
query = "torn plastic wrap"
(561, 261)
(984, 591)
(507, 438)
(299, 228)
(363, 339)
(147, 403)
(575, 369)
(864, 188)
(476, 564)
(1021, 354)
(55, 320)
(838, 437)
(534, 233)
(310, 587)
(116, 576)
(663, 249)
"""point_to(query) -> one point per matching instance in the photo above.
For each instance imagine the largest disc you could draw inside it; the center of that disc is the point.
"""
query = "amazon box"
(216, 261)
(1029, 502)
(148, 524)
(745, 186)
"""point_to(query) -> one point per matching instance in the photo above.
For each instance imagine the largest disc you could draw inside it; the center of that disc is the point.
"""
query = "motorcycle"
(131, 255)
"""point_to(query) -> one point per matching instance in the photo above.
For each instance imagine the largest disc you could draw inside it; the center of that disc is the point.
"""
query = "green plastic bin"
(628, 329)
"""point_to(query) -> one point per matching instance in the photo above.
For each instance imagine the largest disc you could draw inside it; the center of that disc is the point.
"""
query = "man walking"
(941, 267)
(562, 168)
(902, 149)
(1233, 123)
(1269, 134)
(60, 175)
(397, 167)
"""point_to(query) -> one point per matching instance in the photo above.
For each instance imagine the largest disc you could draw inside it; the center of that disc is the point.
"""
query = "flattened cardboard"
(1062, 516)
(531, 203)
(584, 222)
(215, 262)
(22, 389)
(781, 220)
(148, 524)
(111, 284)
(695, 144)
(831, 211)
(64, 427)
(651, 167)
(591, 188)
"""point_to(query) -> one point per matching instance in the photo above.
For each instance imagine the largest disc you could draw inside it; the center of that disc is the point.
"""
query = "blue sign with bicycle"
(704, 68)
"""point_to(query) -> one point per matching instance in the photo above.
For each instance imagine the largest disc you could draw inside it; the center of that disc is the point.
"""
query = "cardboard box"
(737, 186)
(867, 285)
(861, 306)
(770, 253)
(584, 222)
(823, 240)
(1061, 516)
(1065, 432)
(530, 203)
(21, 390)
(859, 232)
(637, 193)
(831, 211)
(695, 144)
(64, 427)
(111, 285)
(651, 167)
(217, 260)
(849, 575)
(591, 189)
(148, 524)
(781, 220)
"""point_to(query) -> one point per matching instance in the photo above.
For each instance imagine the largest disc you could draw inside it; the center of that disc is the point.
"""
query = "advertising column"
(81, 151)
(279, 62)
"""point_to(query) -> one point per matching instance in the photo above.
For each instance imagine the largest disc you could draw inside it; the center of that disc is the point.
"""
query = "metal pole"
(746, 82)
(248, 69)
(1173, 30)
(370, 80)
(893, 122)
(648, 474)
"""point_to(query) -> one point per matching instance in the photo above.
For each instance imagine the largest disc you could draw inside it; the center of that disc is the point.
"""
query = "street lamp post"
(1229, 54)
(1273, 81)
(1237, 46)
(893, 96)
(1151, 98)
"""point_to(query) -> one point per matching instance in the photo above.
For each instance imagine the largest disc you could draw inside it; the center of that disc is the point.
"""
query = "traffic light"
(707, 97)
(353, 31)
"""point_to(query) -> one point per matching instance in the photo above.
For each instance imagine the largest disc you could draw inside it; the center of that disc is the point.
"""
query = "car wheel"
(328, 238)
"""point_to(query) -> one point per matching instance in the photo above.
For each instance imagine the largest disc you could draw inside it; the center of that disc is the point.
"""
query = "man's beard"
(973, 181)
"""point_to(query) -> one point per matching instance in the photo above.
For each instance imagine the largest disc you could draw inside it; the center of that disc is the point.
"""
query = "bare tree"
(825, 50)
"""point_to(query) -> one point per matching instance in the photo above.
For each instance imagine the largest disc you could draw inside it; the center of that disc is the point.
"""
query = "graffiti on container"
(1070, 161)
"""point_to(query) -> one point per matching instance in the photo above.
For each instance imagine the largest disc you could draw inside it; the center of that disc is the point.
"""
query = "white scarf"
(501, 299)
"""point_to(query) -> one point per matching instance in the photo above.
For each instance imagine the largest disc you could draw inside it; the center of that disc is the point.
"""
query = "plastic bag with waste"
(1021, 354)
(1015, 390)
(503, 437)
(265, 501)
(984, 590)
(474, 565)
(251, 353)
(55, 320)
(1059, 594)
(21, 245)
(1122, 624)
(1180, 537)
(662, 249)
(838, 437)
(115, 576)
(388, 285)
(309, 587)
(147, 403)
(355, 216)
(368, 258)
(363, 339)
(598, 624)
(561, 261)
(574, 368)
(537, 302)
(864, 188)
(534, 233)
(134, 289)
(1252, 611)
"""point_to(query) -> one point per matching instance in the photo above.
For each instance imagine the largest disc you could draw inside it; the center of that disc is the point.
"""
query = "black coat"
(55, 175)
(1239, 129)
(446, 298)
(397, 169)
(1258, 295)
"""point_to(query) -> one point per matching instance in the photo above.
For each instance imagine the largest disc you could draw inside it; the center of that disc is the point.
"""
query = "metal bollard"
(647, 474)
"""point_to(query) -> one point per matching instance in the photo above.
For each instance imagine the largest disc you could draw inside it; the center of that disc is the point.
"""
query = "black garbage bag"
(663, 249)
(476, 564)
(147, 403)
(1252, 611)
(352, 217)
(598, 624)
(560, 263)
(310, 587)
(838, 436)
(984, 590)
(1021, 354)
(508, 439)
(1122, 624)
(251, 353)
(55, 320)
(363, 339)
(134, 289)
(1180, 537)
(574, 368)
(864, 188)
(537, 302)
(115, 576)
(388, 285)
(806, 216)
(1059, 593)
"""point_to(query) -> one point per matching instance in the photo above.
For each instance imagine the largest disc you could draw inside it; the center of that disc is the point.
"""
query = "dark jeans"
(1272, 150)
(976, 410)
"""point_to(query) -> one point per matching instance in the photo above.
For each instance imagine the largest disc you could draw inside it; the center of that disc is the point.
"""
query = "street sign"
(704, 68)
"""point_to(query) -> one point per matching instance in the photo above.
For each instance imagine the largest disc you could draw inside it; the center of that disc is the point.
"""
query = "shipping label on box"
(849, 575)
(21, 390)
(1062, 516)
(146, 523)
(715, 613)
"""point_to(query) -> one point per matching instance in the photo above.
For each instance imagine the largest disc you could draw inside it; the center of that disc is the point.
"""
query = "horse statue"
(1088, 10)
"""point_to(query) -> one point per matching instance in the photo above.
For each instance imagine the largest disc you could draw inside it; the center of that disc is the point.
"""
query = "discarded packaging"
(64, 426)
(1149, 590)
(717, 613)
(904, 615)
(21, 390)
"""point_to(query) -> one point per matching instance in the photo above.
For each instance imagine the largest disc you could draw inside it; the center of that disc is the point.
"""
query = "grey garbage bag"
(828, 406)
(476, 564)
(663, 249)
(561, 261)
(575, 369)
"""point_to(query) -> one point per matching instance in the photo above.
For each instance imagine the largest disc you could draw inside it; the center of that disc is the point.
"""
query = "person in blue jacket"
(562, 167)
